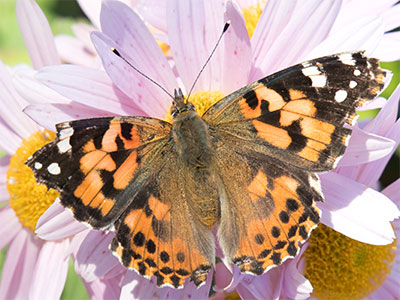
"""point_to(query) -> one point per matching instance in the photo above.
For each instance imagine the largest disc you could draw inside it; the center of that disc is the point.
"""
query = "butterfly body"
(246, 167)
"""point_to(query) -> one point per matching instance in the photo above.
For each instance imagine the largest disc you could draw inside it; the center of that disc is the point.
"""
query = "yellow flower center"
(339, 267)
(201, 101)
(28, 199)
(251, 16)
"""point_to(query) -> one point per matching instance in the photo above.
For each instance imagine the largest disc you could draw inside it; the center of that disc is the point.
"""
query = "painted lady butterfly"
(246, 166)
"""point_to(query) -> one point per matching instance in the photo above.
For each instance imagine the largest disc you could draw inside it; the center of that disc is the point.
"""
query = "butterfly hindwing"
(97, 165)
(267, 210)
(297, 115)
(162, 232)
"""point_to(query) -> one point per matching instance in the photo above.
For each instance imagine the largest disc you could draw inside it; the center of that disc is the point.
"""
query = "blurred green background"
(61, 14)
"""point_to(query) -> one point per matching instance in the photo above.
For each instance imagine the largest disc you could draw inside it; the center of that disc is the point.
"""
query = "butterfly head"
(180, 105)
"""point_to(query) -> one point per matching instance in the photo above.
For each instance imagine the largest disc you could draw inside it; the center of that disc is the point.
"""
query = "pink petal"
(4, 162)
(10, 141)
(89, 87)
(192, 36)
(386, 118)
(51, 267)
(306, 26)
(363, 34)
(94, 258)
(153, 12)
(91, 8)
(365, 147)
(389, 47)
(82, 31)
(11, 106)
(357, 211)
(48, 115)
(139, 47)
(104, 288)
(237, 51)
(57, 223)
(392, 191)
(139, 89)
(37, 34)
(10, 225)
(74, 51)
(378, 102)
(34, 91)
(19, 266)
(391, 17)
(266, 286)
(295, 285)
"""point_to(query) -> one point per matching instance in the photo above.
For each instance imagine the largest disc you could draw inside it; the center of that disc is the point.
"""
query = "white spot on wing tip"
(314, 73)
(340, 95)
(38, 165)
(347, 59)
(352, 84)
(66, 132)
(64, 145)
(357, 72)
(54, 169)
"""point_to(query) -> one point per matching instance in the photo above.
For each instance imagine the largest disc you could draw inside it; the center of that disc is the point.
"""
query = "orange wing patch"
(273, 237)
(145, 242)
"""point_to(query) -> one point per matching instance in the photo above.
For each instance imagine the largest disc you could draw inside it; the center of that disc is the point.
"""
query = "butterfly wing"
(297, 115)
(98, 165)
(270, 137)
(162, 232)
(267, 208)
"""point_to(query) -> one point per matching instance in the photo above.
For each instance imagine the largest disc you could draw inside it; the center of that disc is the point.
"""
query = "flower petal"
(74, 51)
(389, 47)
(91, 8)
(11, 106)
(94, 258)
(90, 87)
(140, 90)
(10, 226)
(366, 147)
(305, 26)
(47, 115)
(19, 264)
(104, 288)
(51, 267)
(237, 51)
(190, 45)
(32, 90)
(139, 47)
(57, 223)
(153, 12)
(37, 34)
(362, 34)
(357, 211)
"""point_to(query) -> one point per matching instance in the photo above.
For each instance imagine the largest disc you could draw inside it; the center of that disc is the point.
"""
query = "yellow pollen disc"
(28, 199)
(339, 267)
(251, 16)
(201, 101)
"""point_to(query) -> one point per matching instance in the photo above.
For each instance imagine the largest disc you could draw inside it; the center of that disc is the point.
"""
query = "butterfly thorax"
(190, 133)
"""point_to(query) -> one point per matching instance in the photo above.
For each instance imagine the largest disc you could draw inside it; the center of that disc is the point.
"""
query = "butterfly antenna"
(226, 26)
(115, 51)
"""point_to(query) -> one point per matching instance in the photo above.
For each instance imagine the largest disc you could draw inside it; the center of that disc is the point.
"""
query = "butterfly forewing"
(99, 164)
(297, 115)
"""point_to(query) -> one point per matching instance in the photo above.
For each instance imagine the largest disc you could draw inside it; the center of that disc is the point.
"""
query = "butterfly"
(247, 167)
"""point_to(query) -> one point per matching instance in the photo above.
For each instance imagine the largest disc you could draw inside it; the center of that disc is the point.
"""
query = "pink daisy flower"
(129, 93)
